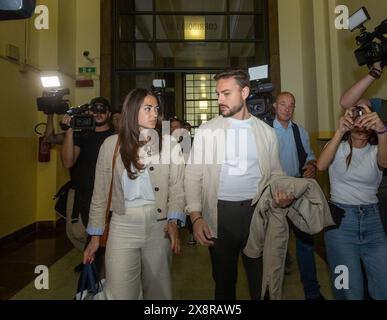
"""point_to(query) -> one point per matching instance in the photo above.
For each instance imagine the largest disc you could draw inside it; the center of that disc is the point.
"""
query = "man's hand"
(172, 232)
(282, 199)
(201, 230)
(310, 169)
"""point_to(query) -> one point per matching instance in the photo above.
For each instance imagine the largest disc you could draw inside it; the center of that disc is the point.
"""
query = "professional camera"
(260, 100)
(52, 101)
(80, 118)
(370, 51)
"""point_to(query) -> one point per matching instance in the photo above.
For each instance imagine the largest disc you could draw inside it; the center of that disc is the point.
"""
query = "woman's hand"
(172, 232)
(370, 120)
(346, 122)
(91, 249)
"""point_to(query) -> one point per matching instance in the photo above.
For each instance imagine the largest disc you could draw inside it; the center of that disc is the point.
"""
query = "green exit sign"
(87, 70)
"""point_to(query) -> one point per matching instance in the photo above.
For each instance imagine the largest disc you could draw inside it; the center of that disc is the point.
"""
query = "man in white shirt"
(219, 193)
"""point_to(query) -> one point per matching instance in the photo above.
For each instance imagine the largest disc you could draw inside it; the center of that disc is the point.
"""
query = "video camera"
(260, 100)
(52, 101)
(80, 118)
(370, 51)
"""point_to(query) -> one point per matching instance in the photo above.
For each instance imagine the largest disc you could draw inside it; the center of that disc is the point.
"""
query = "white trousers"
(138, 256)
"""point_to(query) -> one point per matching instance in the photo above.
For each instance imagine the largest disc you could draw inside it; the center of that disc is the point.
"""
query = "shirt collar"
(277, 124)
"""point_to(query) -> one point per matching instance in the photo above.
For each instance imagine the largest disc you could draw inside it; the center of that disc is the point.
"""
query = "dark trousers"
(306, 263)
(233, 230)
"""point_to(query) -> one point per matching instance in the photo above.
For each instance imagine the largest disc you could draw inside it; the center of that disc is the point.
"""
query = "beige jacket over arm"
(269, 230)
(201, 181)
(167, 180)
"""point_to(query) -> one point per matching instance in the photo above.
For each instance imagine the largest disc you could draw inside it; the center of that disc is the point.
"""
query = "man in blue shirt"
(293, 145)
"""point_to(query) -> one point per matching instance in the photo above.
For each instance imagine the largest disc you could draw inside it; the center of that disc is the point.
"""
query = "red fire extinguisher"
(44, 147)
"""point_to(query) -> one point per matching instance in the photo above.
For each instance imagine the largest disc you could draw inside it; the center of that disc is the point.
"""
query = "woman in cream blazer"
(147, 203)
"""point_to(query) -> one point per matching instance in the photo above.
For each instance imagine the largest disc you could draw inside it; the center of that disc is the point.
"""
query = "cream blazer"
(167, 180)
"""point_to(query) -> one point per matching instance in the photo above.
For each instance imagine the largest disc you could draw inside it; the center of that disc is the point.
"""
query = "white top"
(359, 183)
(138, 192)
(240, 171)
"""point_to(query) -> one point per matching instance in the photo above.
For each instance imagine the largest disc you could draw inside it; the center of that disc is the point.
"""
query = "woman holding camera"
(355, 157)
(147, 203)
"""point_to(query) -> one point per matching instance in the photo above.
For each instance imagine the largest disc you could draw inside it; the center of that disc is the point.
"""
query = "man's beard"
(233, 111)
(101, 124)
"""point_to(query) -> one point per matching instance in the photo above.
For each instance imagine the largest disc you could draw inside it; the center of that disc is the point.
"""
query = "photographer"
(354, 96)
(83, 149)
(356, 156)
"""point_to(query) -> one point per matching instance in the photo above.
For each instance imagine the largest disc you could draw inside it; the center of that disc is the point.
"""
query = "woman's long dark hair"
(130, 130)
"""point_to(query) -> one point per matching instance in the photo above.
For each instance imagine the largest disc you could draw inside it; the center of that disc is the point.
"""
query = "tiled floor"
(191, 272)
(19, 259)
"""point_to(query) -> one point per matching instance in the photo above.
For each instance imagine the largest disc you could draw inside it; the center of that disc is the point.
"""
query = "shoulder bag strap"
(302, 156)
(107, 215)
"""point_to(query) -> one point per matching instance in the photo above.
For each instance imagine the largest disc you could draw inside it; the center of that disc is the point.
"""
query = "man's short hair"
(241, 76)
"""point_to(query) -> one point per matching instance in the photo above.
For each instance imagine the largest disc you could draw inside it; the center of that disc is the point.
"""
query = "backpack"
(61, 199)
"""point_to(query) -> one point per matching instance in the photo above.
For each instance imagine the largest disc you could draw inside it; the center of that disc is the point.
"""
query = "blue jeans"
(306, 264)
(359, 238)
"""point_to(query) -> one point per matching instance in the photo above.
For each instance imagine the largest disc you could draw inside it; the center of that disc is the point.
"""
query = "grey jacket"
(269, 230)
(167, 180)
